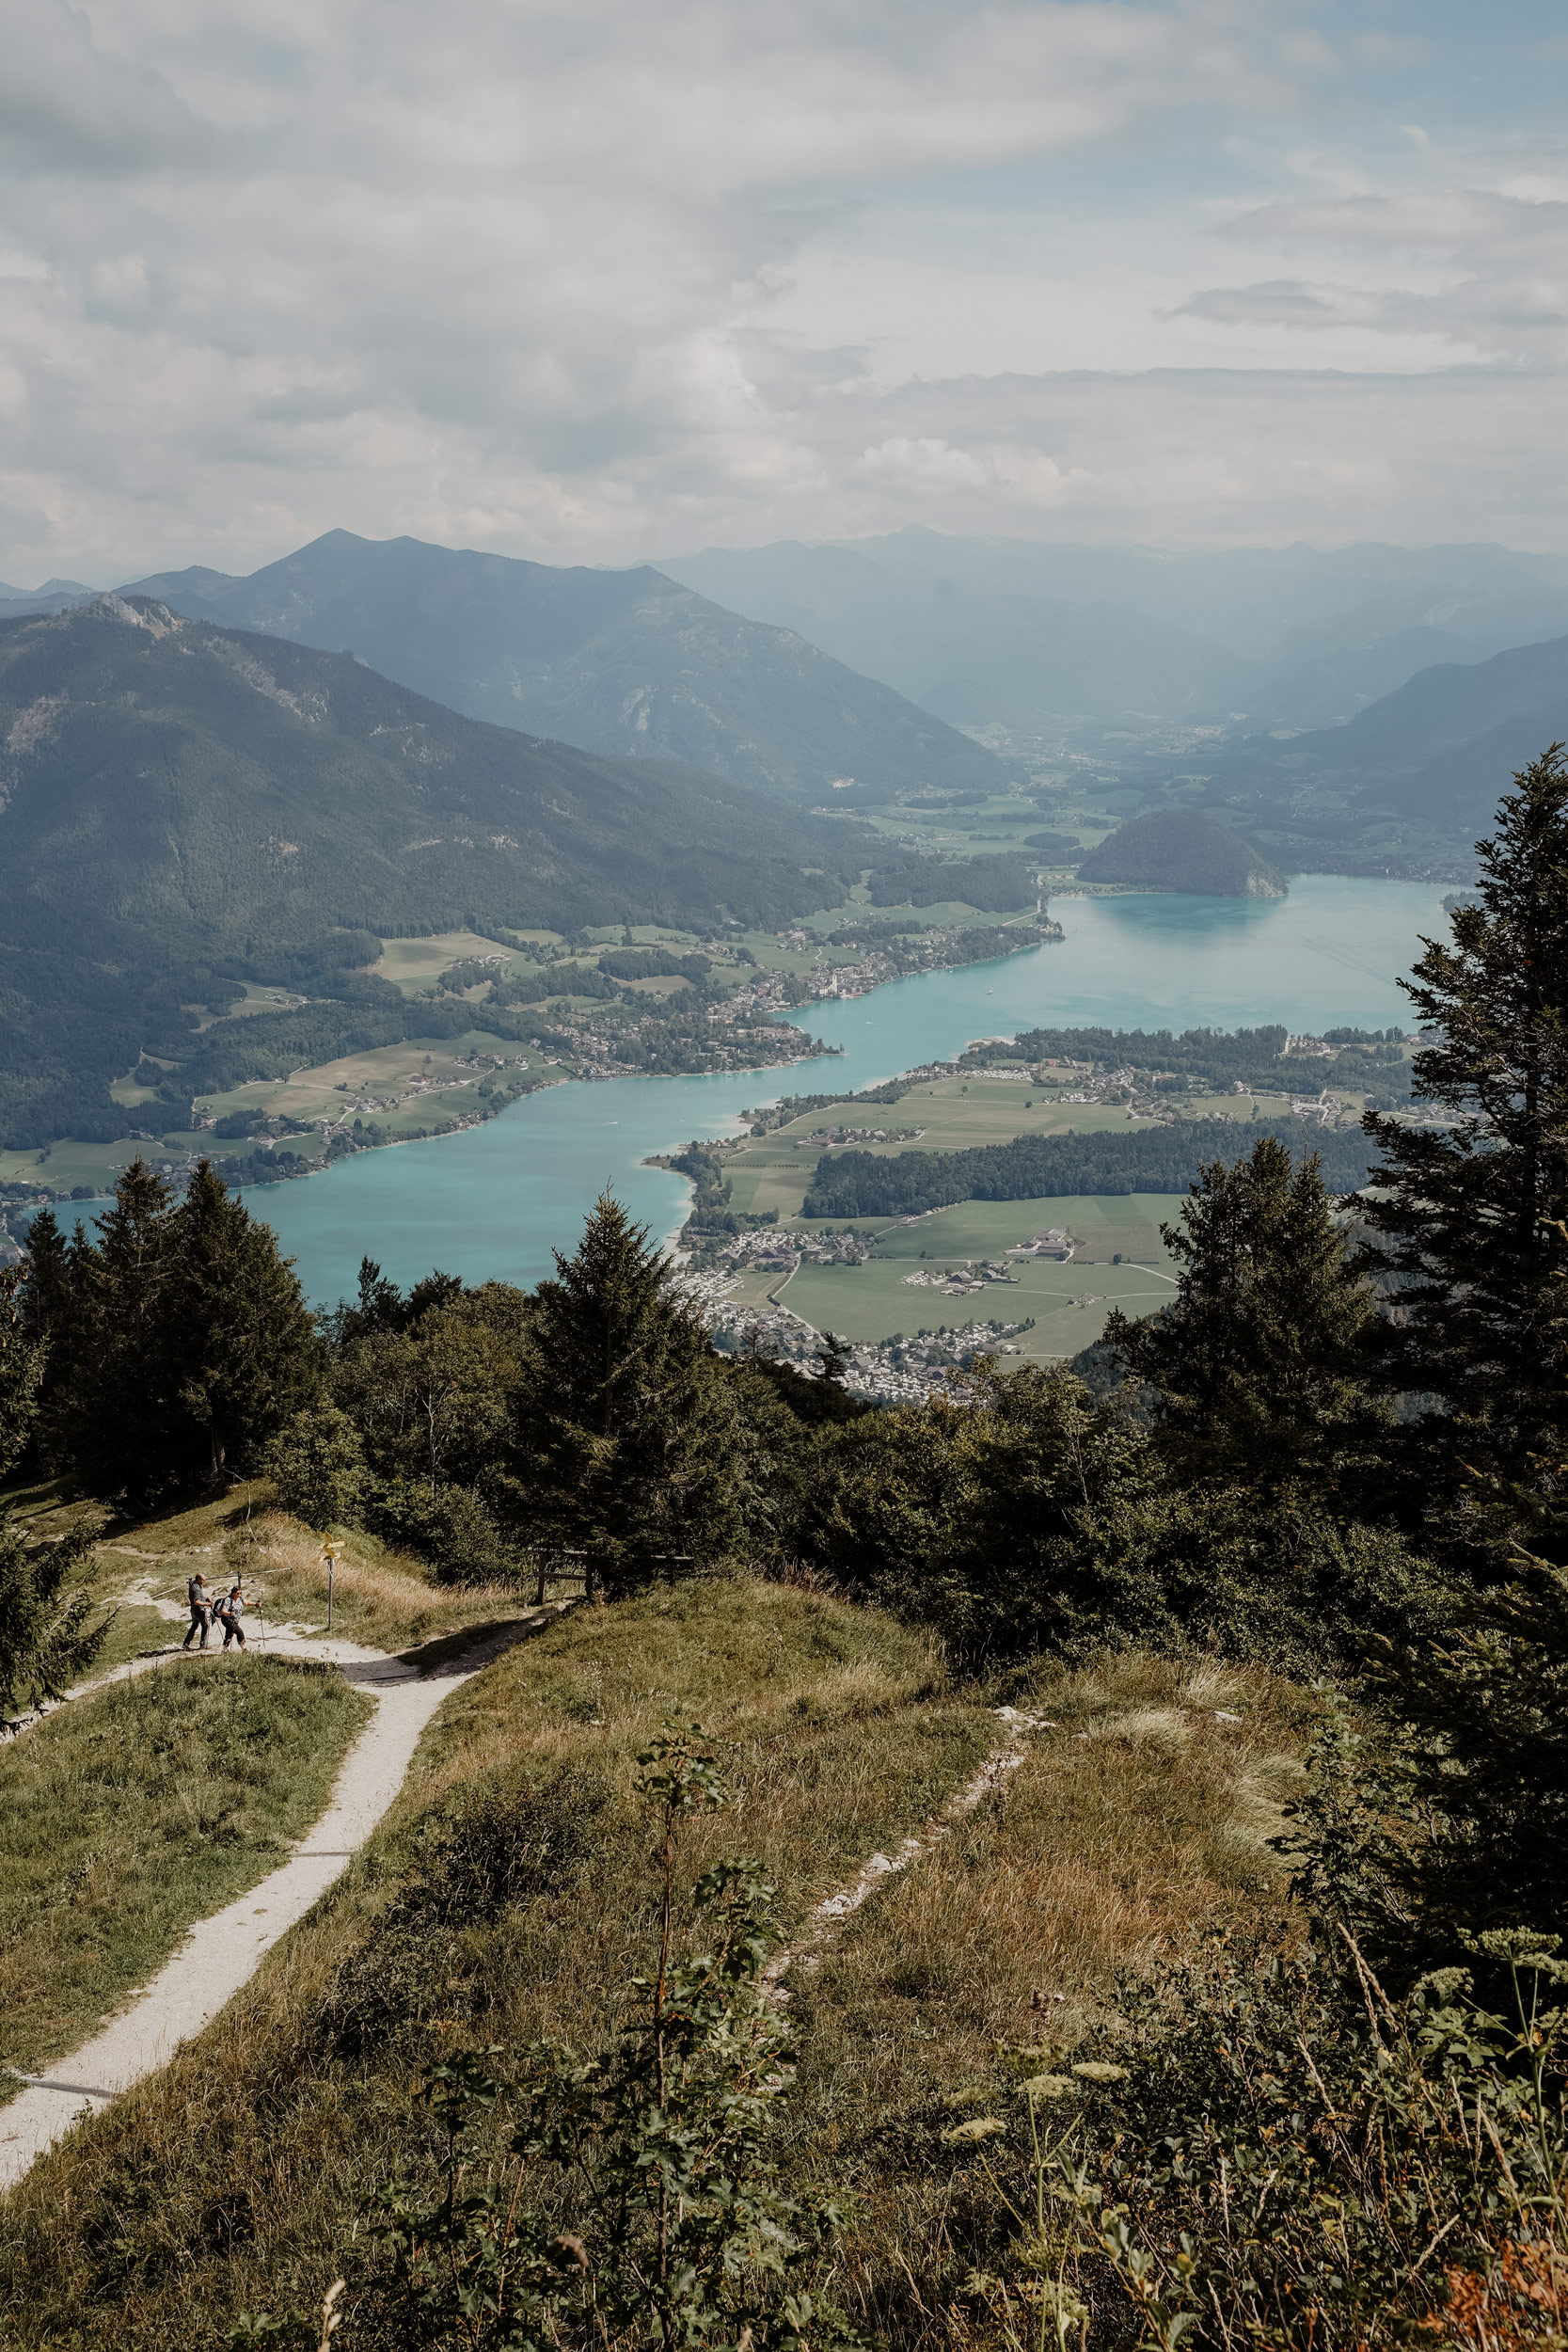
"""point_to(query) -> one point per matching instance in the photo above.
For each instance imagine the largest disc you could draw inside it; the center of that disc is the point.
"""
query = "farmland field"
(774, 1170)
(1068, 1302)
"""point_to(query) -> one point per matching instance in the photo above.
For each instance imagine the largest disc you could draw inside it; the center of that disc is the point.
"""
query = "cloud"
(1500, 262)
(68, 107)
(548, 278)
(1023, 476)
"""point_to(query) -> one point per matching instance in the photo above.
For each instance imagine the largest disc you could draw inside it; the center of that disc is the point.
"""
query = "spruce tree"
(184, 1340)
(631, 1440)
(115, 1422)
(48, 1631)
(1483, 1705)
(1467, 1213)
(46, 1639)
(1260, 1363)
(242, 1344)
(22, 1351)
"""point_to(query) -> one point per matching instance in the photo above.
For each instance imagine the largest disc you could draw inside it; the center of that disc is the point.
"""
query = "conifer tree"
(1484, 1708)
(1465, 1213)
(630, 1430)
(46, 1639)
(22, 1351)
(243, 1347)
(183, 1335)
(45, 1300)
(115, 1425)
(1260, 1360)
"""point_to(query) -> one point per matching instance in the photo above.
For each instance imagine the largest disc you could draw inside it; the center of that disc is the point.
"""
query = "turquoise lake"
(496, 1199)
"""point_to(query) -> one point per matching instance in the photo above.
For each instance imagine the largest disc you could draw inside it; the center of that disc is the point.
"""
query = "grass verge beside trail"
(378, 1597)
(131, 1815)
(510, 1894)
(382, 1599)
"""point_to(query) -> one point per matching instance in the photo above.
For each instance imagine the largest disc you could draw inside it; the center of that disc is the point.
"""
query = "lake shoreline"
(496, 1199)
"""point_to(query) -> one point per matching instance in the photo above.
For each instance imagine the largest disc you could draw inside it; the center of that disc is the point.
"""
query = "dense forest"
(850, 1184)
(1184, 849)
(1346, 1462)
(1363, 1060)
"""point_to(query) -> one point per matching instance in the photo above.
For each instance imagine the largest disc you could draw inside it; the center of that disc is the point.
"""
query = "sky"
(597, 281)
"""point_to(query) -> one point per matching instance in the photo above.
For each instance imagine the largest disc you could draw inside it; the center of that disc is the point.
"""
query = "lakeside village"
(719, 1269)
(902, 1371)
(889, 1371)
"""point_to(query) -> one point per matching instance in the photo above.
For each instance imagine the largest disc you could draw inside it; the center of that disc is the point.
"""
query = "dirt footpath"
(220, 1954)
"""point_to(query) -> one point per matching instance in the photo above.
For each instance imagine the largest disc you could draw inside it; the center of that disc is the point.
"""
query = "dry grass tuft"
(1103, 1851)
(379, 1597)
(1161, 1726)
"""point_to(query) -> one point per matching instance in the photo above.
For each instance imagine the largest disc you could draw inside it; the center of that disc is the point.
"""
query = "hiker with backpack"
(202, 1610)
(230, 1609)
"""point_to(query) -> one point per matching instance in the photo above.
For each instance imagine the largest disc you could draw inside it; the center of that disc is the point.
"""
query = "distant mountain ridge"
(180, 801)
(1416, 775)
(1028, 633)
(626, 663)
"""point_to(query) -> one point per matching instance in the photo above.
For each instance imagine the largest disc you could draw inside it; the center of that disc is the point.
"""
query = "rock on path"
(221, 1953)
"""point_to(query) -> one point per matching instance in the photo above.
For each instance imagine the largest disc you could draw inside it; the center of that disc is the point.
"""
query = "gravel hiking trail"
(220, 1954)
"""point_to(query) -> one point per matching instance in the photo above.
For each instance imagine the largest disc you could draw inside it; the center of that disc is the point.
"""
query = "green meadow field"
(1068, 1302)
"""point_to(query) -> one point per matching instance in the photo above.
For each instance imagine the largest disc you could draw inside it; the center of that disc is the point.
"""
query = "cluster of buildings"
(827, 1136)
(775, 1247)
(965, 1281)
(891, 1371)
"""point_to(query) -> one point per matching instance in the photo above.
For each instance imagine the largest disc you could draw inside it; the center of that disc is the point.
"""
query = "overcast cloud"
(591, 282)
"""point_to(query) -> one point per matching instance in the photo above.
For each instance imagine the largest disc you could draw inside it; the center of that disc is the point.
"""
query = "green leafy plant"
(1289, 2152)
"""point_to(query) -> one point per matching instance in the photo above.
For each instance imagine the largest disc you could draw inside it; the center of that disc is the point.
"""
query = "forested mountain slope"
(627, 663)
(180, 802)
(1417, 771)
(1184, 849)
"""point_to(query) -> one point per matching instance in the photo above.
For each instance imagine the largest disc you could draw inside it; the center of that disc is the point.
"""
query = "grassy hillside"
(624, 662)
(182, 807)
(124, 1818)
(512, 1892)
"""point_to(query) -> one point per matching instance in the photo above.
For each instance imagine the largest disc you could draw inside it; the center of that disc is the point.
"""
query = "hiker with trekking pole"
(230, 1611)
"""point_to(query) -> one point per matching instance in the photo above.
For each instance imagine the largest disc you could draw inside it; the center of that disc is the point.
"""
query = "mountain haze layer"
(1027, 633)
(1411, 782)
(628, 664)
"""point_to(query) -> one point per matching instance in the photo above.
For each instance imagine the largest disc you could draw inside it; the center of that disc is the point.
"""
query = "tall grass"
(380, 1598)
(511, 1895)
(1140, 1817)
